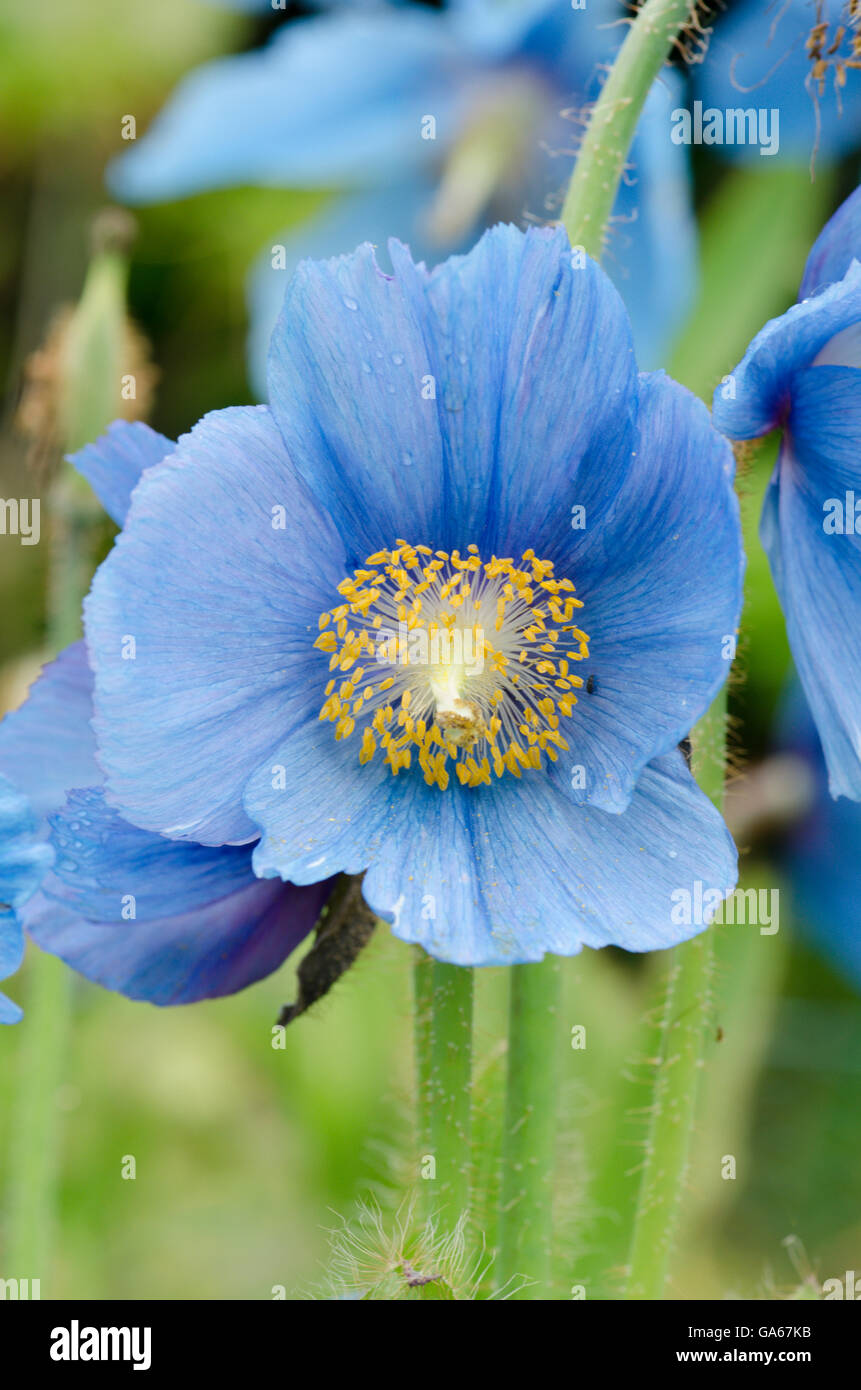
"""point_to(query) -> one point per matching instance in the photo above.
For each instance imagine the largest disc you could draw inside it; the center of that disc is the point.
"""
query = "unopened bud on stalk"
(93, 366)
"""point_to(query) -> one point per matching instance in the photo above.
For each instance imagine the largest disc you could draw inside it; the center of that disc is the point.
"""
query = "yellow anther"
(457, 697)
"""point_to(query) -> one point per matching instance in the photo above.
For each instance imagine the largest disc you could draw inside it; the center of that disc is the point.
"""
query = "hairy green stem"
(448, 1056)
(89, 398)
(686, 1013)
(613, 120)
(530, 1129)
(528, 1147)
(34, 1159)
(422, 1009)
(35, 1141)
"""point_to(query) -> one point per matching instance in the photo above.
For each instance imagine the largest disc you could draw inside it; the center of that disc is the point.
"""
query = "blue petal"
(836, 247)
(575, 49)
(820, 854)
(9, 1012)
(223, 662)
(23, 860)
(542, 32)
(527, 874)
(113, 465)
(203, 925)
(47, 746)
(757, 396)
(100, 859)
(818, 575)
(660, 575)
(494, 875)
(341, 225)
(661, 584)
(334, 99)
(319, 811)
(654, 274)
(23, 863)
(533, 371)
(264, 6)
(757, 58)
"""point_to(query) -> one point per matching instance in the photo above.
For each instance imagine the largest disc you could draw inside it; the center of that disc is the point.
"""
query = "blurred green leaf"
(68, 66)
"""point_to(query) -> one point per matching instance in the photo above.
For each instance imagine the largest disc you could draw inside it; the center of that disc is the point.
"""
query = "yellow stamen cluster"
(452, 657)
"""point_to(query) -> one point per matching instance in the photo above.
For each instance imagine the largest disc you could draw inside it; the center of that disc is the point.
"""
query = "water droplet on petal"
(350, 303)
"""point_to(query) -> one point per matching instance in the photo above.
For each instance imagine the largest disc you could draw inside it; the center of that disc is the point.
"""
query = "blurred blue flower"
(820, 853)
(446, 456)
(153, 918)
(23, 860)
(434, 125)
(253, 6)
(758, 57)
(802, 375)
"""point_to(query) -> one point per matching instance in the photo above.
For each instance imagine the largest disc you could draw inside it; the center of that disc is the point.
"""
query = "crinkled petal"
(342, 224)
(319, 811)
(47, 746)
(495, 875)
(113, 465)
(538, 875)
(101, 862)
(661, 585)
(161, 920)
(465, 405)
(757, 397)
(336, 99)
(818, 574)
(218, 579)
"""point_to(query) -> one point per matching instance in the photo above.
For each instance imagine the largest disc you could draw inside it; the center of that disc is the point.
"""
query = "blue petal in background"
(757, 58)
(335, 99)
(821, 856)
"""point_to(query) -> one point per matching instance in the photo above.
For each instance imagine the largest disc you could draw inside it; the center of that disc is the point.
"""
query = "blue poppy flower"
(434, 124)
(802, 375)
(441, 614)
(152, 918)
(22, 862)
(758, 57)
